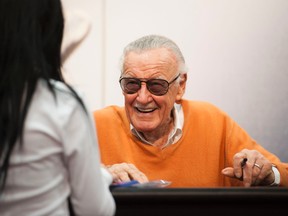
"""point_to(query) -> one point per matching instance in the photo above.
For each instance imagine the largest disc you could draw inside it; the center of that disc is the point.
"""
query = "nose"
(143, 94)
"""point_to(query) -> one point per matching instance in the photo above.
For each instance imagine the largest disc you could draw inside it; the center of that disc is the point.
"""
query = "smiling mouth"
(145, 110)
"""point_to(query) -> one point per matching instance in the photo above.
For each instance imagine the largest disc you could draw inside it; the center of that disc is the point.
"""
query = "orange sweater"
(210, 139)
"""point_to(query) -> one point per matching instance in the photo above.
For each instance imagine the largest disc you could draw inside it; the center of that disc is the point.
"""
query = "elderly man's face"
(148, 112)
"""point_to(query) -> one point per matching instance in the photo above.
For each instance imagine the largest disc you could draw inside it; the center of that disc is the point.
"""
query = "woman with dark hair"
(48, 146)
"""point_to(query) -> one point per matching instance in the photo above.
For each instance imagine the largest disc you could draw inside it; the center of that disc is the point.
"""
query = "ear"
(181, 88)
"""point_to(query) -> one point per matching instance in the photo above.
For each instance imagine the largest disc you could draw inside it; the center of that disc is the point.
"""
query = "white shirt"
(174, 135)
(59, 157)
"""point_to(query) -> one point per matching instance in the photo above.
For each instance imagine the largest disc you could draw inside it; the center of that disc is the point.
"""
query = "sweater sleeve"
(238, 139)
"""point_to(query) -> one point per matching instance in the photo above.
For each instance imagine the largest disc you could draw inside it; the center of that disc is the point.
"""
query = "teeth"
(145, 110)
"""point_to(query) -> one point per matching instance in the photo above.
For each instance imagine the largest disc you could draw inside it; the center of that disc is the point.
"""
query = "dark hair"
(30, 49)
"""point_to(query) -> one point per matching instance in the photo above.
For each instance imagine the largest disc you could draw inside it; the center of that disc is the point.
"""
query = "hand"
(126, 172)
(256, 171)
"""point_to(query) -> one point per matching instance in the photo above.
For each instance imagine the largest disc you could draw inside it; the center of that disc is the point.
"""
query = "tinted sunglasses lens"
(157, 86)
(130, 85)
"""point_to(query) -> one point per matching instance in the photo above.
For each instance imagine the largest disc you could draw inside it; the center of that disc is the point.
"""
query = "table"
(272, 201)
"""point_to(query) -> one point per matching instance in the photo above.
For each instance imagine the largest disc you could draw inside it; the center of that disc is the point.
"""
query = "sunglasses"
(157, 87)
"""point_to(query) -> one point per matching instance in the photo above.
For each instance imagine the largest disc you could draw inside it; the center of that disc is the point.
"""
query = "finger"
(266, 175)
(229, 172)
(136, 174)
(238, 163)
(125, 172)
(117, 176)
(256, 173)
(118, 172)
(123, 176)
(248, 173)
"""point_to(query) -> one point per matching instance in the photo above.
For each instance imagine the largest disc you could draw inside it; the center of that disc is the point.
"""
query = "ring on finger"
(257, 165)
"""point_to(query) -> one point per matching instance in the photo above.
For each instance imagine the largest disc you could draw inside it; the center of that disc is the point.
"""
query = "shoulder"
(62, 104)
(63, 91)
(202, 108)
(200, 105)
(63, 94)
(111, 117)
(109, 112)
(55, 114)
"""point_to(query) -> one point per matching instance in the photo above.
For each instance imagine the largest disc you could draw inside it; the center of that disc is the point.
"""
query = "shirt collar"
(175, 134)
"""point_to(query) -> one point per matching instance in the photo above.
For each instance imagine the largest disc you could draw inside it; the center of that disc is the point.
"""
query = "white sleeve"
(90, 194)
(107, 176)
(277, 176)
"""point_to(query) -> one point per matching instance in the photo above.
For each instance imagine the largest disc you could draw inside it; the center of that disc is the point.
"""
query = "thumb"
(228, 171)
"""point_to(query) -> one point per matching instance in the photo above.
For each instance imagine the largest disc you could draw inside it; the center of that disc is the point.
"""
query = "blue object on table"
(125, 184)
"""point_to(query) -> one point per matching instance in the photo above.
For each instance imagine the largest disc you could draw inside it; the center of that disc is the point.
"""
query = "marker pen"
(243, 163)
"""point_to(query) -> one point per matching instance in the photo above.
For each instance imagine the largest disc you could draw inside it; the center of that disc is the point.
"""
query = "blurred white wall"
(84, 68)
(236, 51)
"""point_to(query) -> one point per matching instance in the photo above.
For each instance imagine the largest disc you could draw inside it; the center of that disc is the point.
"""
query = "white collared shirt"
(59, 154)
(175, 134)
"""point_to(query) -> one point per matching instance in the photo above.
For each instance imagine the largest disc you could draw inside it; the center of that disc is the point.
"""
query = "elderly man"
(160, 135)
